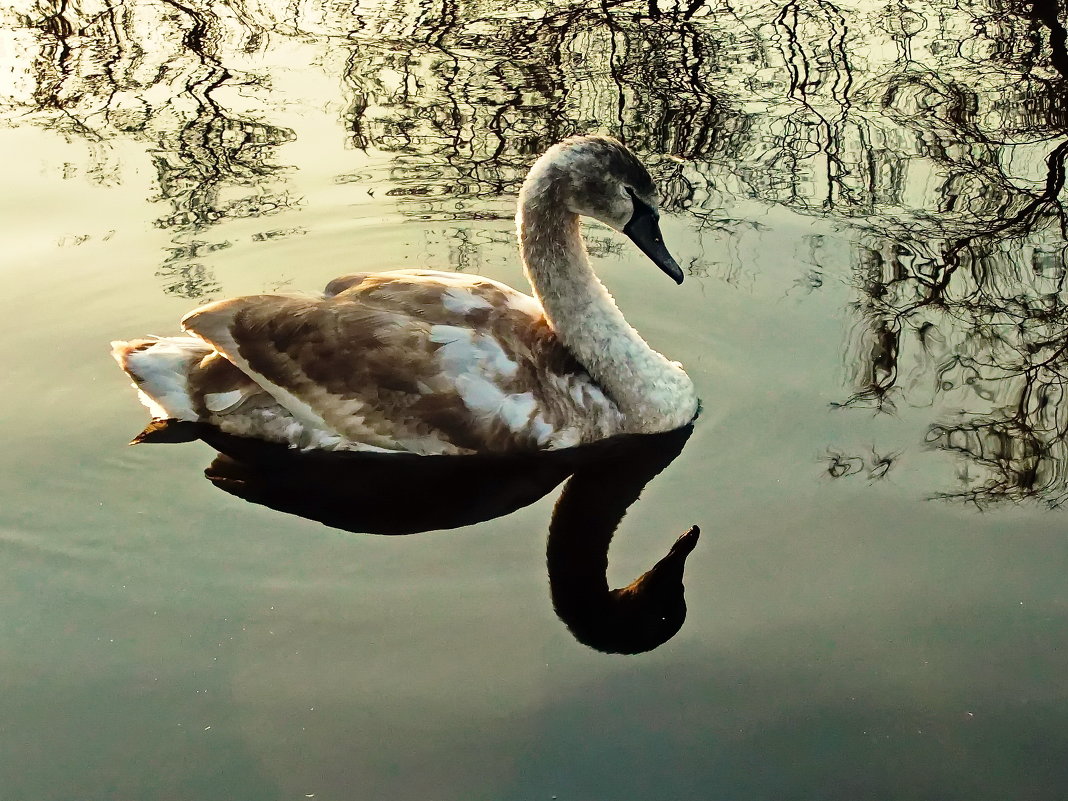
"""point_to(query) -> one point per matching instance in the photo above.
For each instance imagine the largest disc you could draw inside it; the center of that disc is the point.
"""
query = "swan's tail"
(160, 368)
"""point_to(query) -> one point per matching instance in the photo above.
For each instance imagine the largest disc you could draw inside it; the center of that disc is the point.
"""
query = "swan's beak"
(644, 230)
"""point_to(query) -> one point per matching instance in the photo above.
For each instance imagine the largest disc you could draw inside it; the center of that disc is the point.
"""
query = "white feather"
(462, 301)
(223, 401)
(160, 374)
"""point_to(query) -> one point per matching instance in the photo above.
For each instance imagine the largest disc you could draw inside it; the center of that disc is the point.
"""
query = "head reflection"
(395, 494)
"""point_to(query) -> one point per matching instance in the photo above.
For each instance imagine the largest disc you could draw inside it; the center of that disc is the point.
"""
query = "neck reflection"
(650, 610)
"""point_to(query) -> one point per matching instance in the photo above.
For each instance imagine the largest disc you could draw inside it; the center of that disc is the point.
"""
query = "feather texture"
(412, 360)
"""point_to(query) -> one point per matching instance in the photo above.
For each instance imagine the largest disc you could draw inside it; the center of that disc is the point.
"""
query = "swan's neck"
(653, 393)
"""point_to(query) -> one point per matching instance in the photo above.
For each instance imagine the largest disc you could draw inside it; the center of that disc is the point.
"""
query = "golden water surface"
(868, 201)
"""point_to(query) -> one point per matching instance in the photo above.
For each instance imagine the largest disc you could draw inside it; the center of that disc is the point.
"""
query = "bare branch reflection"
(966, 304)
(156, 73)
(932, 134)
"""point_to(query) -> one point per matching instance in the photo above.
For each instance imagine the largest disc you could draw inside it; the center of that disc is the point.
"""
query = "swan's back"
(410, 360)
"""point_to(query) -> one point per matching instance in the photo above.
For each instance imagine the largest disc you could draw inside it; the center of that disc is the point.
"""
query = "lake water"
(868, 200)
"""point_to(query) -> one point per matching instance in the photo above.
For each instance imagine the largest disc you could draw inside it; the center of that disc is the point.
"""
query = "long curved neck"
(652, 393)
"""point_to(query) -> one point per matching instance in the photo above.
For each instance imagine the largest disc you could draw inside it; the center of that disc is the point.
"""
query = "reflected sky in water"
(932, 139)
(868, 199)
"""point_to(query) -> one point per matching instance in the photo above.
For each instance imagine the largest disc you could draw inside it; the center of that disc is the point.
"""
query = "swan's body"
(441, 363)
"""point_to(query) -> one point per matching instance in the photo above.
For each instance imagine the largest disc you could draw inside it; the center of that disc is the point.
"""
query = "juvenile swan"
(441, 363)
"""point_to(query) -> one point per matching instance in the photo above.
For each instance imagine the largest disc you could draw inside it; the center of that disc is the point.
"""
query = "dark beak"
(644, 230)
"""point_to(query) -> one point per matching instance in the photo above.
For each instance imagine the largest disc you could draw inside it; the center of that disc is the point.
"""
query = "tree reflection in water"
(966, 294)
(402, 494)
(933, 133)
(156, 73)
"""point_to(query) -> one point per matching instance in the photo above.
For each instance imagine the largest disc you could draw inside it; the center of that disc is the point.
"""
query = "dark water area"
(868, 202)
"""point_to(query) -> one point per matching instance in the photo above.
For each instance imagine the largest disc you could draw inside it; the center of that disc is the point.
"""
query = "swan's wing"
(410, 360)
(433, 292)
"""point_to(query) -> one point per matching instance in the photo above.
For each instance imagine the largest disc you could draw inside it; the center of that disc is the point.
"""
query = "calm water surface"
(868, 200)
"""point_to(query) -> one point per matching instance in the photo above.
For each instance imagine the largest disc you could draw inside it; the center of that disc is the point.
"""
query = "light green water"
(866, 199)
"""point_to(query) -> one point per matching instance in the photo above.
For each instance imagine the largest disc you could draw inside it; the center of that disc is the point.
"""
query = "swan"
(437, 363)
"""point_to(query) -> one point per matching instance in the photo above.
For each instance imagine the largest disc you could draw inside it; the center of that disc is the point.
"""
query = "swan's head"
(596, 176)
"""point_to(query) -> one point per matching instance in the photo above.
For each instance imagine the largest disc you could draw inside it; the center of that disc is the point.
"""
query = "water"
(867, 199)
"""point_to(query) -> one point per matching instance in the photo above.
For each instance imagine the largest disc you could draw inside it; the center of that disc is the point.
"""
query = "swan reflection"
(396, 494)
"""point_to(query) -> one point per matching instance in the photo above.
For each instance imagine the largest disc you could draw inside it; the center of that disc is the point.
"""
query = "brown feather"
(366, 360)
